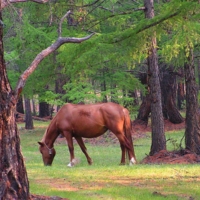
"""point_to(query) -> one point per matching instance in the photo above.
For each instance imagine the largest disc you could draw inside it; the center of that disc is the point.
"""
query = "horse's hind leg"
(70, 144)
(84, 149)
(123, 153)
(130, 151)
(122, 142)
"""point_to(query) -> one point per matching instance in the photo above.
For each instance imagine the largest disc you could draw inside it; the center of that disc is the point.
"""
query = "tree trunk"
(135, 97)
(44, 109)
(180, 95)
(103, 89)
(157, 121)
(192, 131)
(28, 116)
(145, 107)
(168, 88)
(144, 111)
(13, 177)
(20, 107)
(34, 108)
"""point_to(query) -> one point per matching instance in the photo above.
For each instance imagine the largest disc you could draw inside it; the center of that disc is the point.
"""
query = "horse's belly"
(89, 132)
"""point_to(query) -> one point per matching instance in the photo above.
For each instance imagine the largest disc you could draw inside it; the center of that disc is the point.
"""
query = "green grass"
(106, 179)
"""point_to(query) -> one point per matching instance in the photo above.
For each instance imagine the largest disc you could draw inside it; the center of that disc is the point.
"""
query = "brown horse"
(88, 121)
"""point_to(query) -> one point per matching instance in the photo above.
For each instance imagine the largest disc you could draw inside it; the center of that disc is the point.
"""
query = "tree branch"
(60, 41)
(155, 21)
(61, 21)
(116, 14)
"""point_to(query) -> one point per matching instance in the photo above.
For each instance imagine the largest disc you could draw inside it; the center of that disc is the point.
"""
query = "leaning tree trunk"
(13, 177)
(192, 131)
(157, 121)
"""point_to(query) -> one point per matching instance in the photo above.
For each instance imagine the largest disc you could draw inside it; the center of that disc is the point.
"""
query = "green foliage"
(120, 44)
(51, 98)
(80, 91)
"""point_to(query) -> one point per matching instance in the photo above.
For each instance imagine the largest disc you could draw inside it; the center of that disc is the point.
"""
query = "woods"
(95, 52)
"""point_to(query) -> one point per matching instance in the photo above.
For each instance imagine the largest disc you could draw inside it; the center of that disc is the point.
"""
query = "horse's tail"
(127, 131)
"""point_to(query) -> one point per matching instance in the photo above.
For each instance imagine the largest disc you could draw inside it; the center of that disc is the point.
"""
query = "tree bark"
(192, 131)
(13, 177)
(157, 121)
(168, 88)
(34, 107)
(180, 95)
(44, 109)
(144, 111)
(20, 107)
(28, 116)
(103, 86)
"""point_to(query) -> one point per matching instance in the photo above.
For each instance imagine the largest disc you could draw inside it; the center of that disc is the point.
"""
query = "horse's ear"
(40, 143)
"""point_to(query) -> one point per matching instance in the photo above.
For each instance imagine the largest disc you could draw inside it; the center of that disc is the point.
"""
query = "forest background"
(144, 48)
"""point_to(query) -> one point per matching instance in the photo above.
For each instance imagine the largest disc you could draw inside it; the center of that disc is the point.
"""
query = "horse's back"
(91, 117)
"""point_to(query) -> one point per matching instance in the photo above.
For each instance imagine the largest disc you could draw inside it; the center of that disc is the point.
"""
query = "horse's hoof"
(70, 164)
(132, 161)
(90, 162)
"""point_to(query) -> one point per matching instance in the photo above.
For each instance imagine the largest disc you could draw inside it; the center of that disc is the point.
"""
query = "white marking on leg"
(73, 162)
(132, 161)
(70, 164)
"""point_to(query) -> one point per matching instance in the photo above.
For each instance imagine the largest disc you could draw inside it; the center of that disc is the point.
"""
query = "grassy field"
(106, 179)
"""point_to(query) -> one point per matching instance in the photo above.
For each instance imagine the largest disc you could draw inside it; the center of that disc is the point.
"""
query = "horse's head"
(47, 153)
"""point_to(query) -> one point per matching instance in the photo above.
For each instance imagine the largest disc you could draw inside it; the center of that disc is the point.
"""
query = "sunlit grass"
(106, 179)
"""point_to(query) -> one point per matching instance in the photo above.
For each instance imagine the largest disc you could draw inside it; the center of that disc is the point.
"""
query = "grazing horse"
(88, 121)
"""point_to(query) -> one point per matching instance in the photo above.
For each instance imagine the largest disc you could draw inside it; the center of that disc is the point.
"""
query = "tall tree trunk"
(20, 107)
(144, 111)
(13, 177)
(145, 107)
(61, 80)
(180, 95)
(157, 121)
(34, 108)
(168, 88)
(44, 109)
(192, 131)
(103, 87)
(135, 97)
(28, 116)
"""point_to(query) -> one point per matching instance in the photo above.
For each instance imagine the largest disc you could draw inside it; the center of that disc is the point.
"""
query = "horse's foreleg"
(70, 144)
(84, 149)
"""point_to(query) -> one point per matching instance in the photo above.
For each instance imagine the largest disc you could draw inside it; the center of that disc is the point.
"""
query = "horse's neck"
(50, 135)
